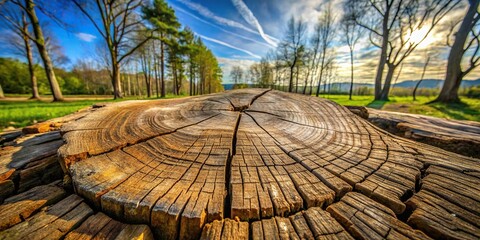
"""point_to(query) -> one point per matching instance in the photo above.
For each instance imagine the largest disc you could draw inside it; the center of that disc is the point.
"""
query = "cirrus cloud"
(85, 37)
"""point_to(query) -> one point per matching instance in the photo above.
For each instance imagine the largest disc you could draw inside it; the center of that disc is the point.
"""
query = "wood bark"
(42, 49)
(258, 163)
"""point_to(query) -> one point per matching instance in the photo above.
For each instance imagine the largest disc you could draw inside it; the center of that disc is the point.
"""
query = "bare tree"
(236, 74)
(351, 34)
(289, 49)
(398, 27)
(325, 30)
(18, 40)
(467, 38)
(119, 25)
(28, 7)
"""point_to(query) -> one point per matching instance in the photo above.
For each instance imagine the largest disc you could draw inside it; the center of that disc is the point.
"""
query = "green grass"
(24, 113)
(21, 113)
(469, 109)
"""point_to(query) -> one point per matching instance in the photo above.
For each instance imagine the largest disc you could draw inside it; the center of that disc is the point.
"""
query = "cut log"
(259, 156)
(458, 136)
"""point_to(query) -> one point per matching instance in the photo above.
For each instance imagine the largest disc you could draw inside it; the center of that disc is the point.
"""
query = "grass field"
(18, 112)
(469, 109)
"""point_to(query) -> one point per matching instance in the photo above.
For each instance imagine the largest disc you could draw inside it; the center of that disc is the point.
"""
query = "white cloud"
(227, 64)
(252, 20)
(85, 37)
(228, 45)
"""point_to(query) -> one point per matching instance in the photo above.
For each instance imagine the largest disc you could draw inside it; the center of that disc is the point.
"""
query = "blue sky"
(240, 32)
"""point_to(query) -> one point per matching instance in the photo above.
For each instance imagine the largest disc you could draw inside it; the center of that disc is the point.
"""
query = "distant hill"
(434, 83)
(426, 83)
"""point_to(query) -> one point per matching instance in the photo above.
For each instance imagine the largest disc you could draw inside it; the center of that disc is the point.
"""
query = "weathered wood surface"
(458, 136)
(186, 167)
(28, 161)
(46, 212)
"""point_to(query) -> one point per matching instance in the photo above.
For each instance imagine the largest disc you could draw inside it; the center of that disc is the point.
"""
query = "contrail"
(252, 20)
(207, 13)
(213, 25)
(228, 45)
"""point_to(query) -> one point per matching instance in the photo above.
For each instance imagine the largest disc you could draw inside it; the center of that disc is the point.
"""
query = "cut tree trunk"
(271, 161)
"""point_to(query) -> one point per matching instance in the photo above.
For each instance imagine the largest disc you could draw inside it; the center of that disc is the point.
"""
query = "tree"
(289, 49)
(1, 92)
(398, 27)
(421, 78)
(467, 38)
(261, 73)
(18, 41)
(236, 74)
(351, 34)
(192, 51)
(28, 7)
(166, 25)
(119, 27)
(324, 30)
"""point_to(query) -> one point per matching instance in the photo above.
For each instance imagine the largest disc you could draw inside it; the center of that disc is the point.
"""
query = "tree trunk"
(162, 69)
(388, 81)
(290, 83)
(351, 74)
(191, 79)
(421, 79)
(383, 56)
(449, 92)
(40, 42)
(28, 50)
(1, 92)
(322, 66)
(117, 88)
(296, 79)
(129, 85)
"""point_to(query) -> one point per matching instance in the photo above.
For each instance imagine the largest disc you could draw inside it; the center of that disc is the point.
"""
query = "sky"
(240, 32)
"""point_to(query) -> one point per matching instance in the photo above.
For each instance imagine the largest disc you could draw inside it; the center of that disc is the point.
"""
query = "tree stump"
(264, 157)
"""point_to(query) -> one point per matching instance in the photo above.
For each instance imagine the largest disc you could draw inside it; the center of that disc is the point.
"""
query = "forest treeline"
(305, 61)
(144, 51)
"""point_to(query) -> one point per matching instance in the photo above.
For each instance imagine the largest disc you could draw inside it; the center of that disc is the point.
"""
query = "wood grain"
(206, 166)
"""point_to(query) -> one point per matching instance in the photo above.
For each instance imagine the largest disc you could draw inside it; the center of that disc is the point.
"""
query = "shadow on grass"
(456, 110)
(377, 104)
